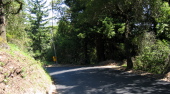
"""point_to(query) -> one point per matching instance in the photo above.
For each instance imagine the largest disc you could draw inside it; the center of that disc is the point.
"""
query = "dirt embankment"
(21, 74)
(119, 66)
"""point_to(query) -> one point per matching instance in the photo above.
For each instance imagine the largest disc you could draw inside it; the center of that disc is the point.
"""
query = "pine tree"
(38, 31)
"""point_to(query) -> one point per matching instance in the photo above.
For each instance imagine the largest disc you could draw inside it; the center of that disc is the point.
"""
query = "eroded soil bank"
(21, 74)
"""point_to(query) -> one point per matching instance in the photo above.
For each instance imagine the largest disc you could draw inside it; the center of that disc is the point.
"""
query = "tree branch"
(20, 8)
(120, 11)
(7, 3)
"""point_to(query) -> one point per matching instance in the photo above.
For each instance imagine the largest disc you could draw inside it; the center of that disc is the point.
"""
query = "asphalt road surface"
(102, 80)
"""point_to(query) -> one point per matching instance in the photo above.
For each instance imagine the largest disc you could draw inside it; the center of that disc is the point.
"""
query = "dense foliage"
(39, 32)
(92, 31)
(7, 7)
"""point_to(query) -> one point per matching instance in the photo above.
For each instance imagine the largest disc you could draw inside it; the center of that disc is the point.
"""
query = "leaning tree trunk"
(3, 42)
(127, 46)
(2, 28)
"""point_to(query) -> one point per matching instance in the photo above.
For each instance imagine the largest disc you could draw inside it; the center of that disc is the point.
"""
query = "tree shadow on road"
(94, 80)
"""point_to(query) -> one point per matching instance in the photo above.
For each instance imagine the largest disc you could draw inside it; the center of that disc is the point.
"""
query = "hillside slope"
(21, 74)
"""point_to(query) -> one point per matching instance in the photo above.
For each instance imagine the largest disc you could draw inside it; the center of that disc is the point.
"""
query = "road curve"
(104, 80)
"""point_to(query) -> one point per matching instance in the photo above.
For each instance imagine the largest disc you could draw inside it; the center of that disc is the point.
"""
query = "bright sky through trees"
(54, 12)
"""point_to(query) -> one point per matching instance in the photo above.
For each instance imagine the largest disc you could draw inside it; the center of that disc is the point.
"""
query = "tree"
(5, 9)
(39, 32)
(167, 1)
(113, 25)
(16, 30)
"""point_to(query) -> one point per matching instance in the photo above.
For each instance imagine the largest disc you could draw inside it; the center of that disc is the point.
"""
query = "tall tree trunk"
(86, 53)
(100, 47)
(2, 27)
(127, 46)
(3, 42)
(154, 26)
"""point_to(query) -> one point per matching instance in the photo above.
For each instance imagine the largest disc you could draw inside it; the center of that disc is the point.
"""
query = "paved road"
(100, 80)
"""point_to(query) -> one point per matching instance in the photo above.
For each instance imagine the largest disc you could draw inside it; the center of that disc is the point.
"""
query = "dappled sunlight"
(65, 87)
(133, 90)
(93, 91)
(105, 80)
(78, 69)
(161, 83)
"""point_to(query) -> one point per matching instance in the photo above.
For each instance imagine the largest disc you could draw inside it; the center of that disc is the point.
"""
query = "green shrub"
(153, 54)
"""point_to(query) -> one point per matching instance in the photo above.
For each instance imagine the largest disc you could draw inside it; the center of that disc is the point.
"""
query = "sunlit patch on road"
(104, 80)
(78, 69)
